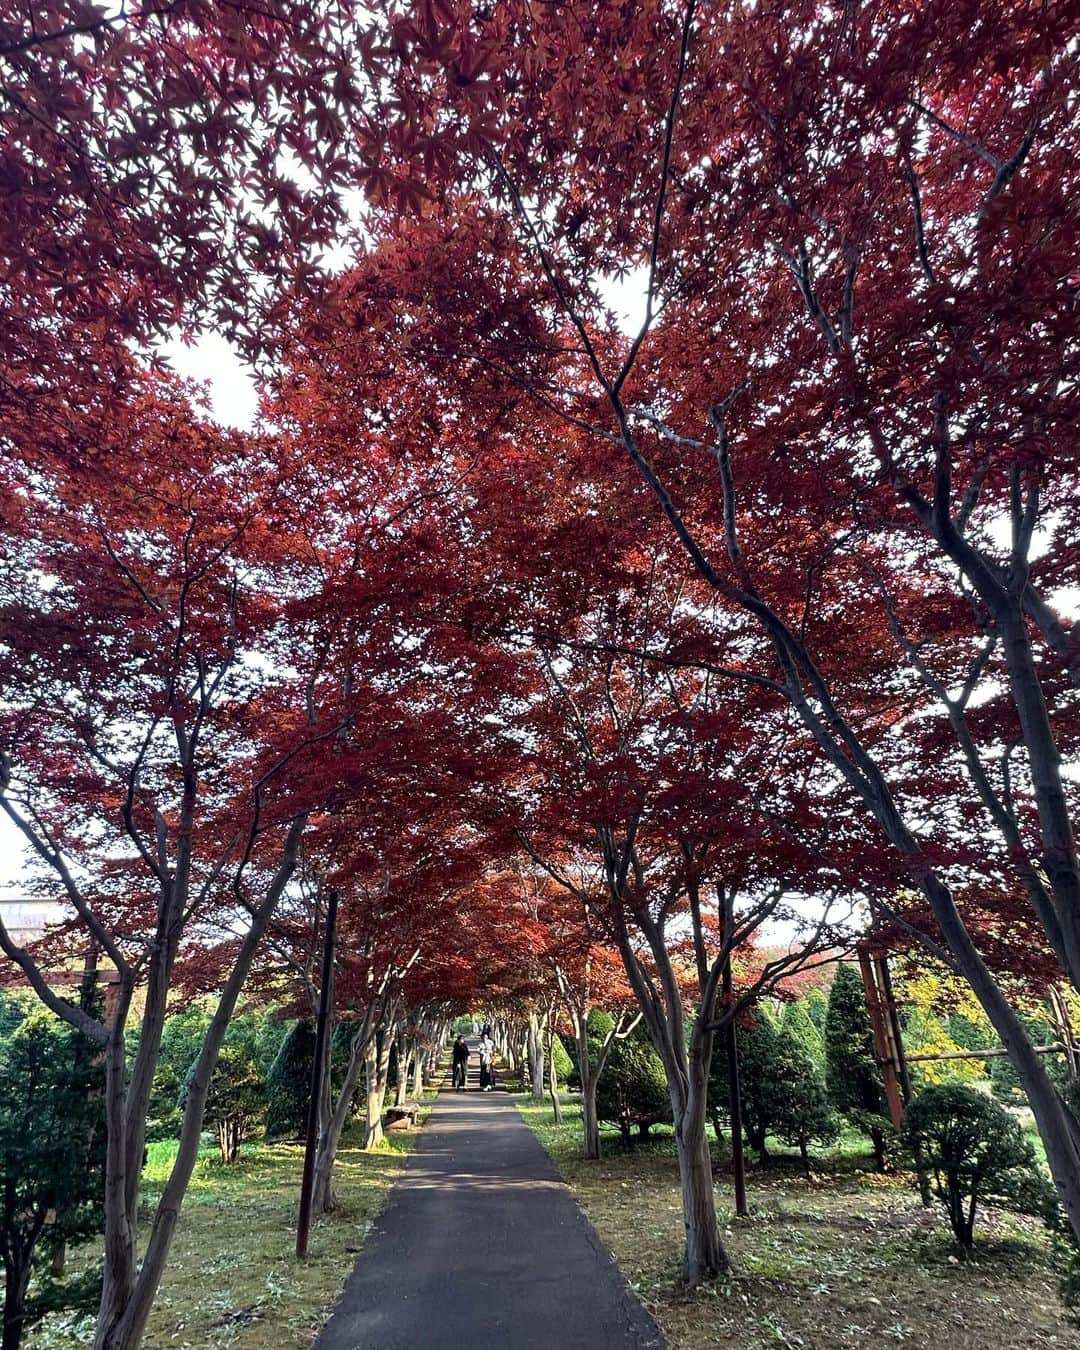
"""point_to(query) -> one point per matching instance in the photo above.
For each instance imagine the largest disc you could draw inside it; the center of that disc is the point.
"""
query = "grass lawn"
(233, 1278)
(848, 1259)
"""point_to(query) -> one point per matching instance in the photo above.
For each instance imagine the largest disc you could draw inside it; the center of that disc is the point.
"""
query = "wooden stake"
(881, 1038)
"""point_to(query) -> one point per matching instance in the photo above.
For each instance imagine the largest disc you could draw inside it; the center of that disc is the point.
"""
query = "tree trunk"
(16, 1283)
(376, 1069)
(118, 1275)
(418, 1073)
(553, 1081)
(1059, 1130)
(536, 1058)
(590, 1077)
(589, 1121)
(704, 1257)
(323, 1200)
(401, 1088)
(126, 1299)
(738, 1152)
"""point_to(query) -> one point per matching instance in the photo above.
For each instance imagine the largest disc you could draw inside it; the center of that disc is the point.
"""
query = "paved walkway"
(482, 1247)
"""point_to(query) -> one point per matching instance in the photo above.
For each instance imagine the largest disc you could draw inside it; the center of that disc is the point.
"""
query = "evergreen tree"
(52, 1150)
(288, 1084)
(565, 1067)
(853, 1075)
(12, 1012)
(761, 1094)
(796, 1018)
(268, 1041)
(633, 1087)
(236, 1103)
(817, 1008)
(340, 1052)
(804, 1114)
(181, 1040)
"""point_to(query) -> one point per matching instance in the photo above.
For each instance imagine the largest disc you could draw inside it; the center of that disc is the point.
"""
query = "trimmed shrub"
(564, 1063)
(632, 1092)
(288, 1084)
(975, 1151)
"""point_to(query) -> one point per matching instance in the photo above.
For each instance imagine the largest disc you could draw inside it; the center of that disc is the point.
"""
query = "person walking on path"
(461, 1063)
(487, 1063)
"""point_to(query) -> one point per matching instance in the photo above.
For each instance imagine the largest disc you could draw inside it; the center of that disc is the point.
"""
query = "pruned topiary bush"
(975, 1151)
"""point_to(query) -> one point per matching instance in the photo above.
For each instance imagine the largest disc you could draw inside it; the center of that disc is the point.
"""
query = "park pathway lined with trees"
(482, 1245)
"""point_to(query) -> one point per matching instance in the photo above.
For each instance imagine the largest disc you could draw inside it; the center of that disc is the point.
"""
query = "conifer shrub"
(288, 1084)
(975, 1151)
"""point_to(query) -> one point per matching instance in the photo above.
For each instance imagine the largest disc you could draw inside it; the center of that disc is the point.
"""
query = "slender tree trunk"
(127, 1298)
(590, 1077)
(553, 1081)
(738, 1153)
(118, 1276)
(16, 1283)
(536, 1058)
(589, 1121)
(1059, 1130)
(418, 1073)
(323, 1200)
(373, 1130)
(376, 1069)
(705, 1257)
(401, 1088)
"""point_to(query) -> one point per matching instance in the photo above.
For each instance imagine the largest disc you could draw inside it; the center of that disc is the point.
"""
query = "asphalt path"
(482, 1247)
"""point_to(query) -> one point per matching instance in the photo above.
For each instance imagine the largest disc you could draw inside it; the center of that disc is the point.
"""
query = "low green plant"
(974, 1150)
(632, 1092)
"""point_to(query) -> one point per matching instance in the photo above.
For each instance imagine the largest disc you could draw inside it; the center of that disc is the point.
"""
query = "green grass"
(846, 1259)
(233, 1279)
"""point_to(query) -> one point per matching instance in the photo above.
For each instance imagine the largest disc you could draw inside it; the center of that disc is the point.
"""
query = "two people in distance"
(460, 1062)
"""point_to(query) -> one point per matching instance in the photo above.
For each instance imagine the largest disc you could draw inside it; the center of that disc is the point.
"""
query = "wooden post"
(896, 1035)
(303, 1225)
(1064, 1028)
(879, 1027)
